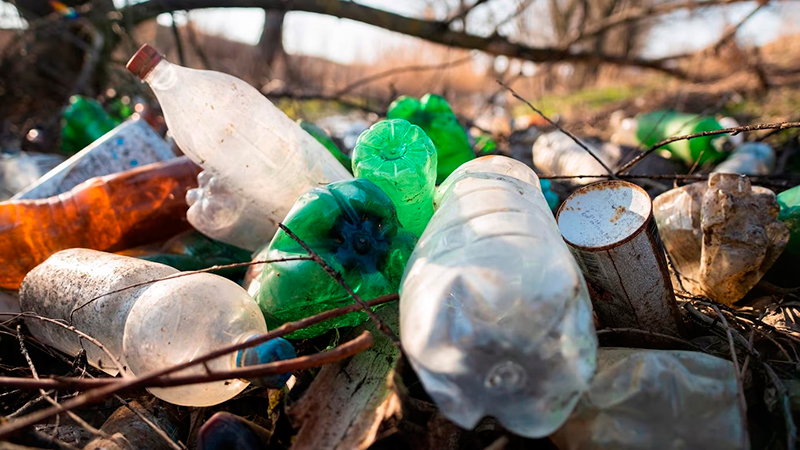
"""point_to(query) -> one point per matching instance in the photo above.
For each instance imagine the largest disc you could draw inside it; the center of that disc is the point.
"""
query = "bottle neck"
(162, 77)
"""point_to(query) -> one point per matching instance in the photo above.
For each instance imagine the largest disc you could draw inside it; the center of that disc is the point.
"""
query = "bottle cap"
(143, 61)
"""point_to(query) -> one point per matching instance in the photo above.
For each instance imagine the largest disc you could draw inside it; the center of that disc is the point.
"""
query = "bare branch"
(464, 12)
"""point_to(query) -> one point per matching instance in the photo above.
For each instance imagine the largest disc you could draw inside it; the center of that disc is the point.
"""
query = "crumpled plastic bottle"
(656, 399)
(352, 225)
(401, 160)
(434, 116)
(495, 315)
(722, 235)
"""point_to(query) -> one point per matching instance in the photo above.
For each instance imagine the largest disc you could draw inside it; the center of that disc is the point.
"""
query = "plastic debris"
(150, 327)
(256, 160)
(352, 225)
(20, 169)
(323, 138)
(752, 158)
(656, 126)
(610, 230)
(789, 202)
(225, 431)
(125, 429)
(555, 153)
(401, 160)
(495, 316)
(130, 145)
(656, 399)
(83, 122)
(127, 209)
(722, 235)
(549, 196)
(434, 116)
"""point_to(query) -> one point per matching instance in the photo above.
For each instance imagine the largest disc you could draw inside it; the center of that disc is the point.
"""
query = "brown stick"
(100, 393)
(732, 131)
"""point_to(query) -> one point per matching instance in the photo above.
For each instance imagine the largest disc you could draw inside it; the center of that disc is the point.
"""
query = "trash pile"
(598, 309)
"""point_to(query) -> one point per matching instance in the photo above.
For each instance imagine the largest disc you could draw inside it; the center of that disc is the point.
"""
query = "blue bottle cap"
(278, 349)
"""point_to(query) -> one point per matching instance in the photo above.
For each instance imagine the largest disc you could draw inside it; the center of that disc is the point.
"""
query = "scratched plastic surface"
(495, 315)
(257, 161)
(150, 327)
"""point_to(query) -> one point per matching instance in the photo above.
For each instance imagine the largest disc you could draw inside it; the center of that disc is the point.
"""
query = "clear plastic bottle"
(751, 158)
(149, 327)
(656, 399)
(401, 160)
(261, 160)
(495, 316)
(555, 153)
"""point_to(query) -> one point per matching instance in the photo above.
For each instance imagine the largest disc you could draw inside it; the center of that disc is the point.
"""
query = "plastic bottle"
(149, 327)
(751, 158)
(323, 138)
(352, 225)
(434, 116)
(401, 160)
(83, 122)
(110, 213)
(656, 399)
(789, 202)
(257, 162)
(555, 153)
(495, 316)
(20, 169)
(191, 250)
(659, 125)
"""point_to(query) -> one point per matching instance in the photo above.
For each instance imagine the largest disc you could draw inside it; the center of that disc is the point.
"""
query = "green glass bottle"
(659, 125)
(789, 202)
(401, 160)
(434, 116)
(352, 225)
(322, 137)
(83, 122)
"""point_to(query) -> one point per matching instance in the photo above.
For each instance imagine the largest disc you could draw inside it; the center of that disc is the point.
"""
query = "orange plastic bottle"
(110, 213)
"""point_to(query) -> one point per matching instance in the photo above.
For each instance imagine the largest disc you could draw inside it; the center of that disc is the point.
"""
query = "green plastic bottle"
(83, 122)
(352, 225)
(401, 160)
(789, 202)
(434, 116)
(659, 125)
(192, 250)
(322, 137)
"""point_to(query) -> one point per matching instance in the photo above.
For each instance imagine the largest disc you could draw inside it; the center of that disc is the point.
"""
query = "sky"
(346, 41)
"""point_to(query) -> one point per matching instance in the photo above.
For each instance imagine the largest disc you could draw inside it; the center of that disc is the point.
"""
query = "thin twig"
(178, 41)
(611, 173)
(648, 333)
(346, 350)
(733, 131)
(339, 279)
(133, 383)
(738, 374)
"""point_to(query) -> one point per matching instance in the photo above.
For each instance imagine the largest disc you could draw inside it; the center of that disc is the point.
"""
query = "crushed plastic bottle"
(257, 161)
(495, 316)
(659, 125)
(434, 116)
(789, 202)
(401, 160)
(83, 122)
(656, 399)
(555, 153)
(130, 145)
(148, 327)
(752, 158)
(110, 213)
(722, 236)
(323, 138)
(353, 227)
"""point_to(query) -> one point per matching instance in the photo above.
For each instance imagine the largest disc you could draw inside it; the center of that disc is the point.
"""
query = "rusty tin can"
(609, 228)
